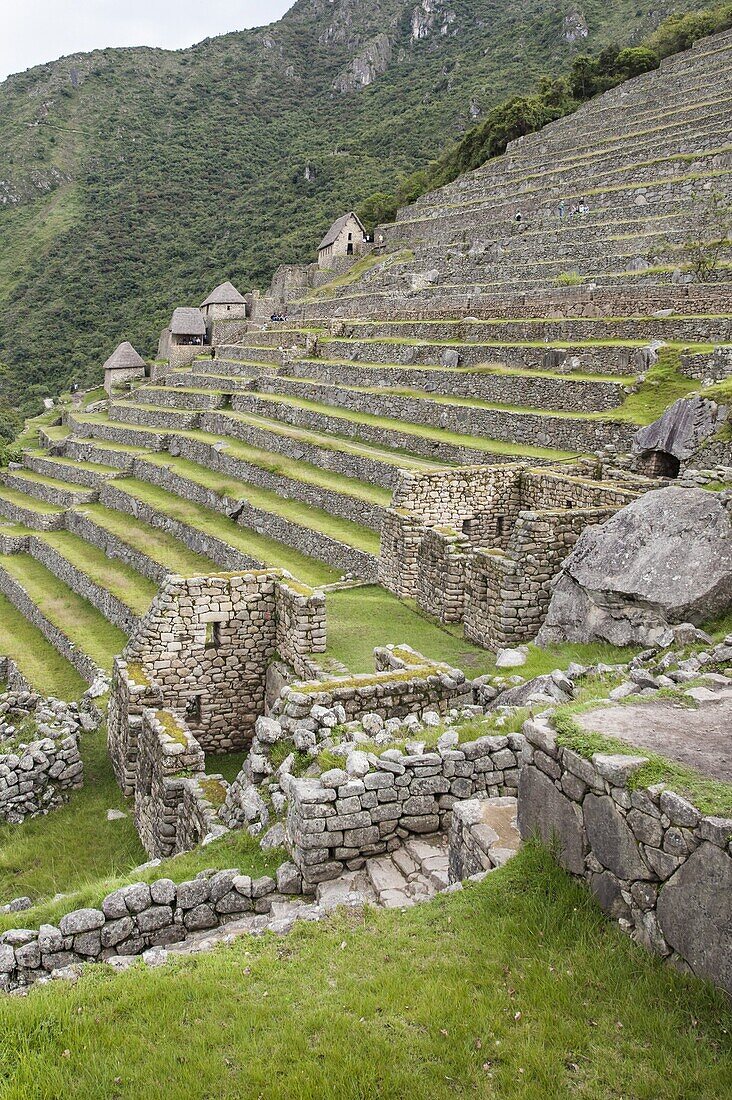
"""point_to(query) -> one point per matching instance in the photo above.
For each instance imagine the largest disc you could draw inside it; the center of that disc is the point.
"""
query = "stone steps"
(413, 872)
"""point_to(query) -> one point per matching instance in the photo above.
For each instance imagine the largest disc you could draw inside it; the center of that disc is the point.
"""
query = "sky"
(35, 31)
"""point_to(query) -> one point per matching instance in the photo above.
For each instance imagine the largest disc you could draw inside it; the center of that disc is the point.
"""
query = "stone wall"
(338, 820)
(216, 457)
(508, 591)
(404, 683)
(130, 920)
(443, 556)
(547, 430)
(168, 755)
(533, 391)
(655, 863)
(20, 599)
(350, 465)
(33, 776)
(482, 543)
(206, 642)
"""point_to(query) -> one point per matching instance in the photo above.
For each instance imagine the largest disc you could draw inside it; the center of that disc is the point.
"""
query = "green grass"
(359, 619)
(134, 590)
(710, 796)
(438, 435)
(77, 852)
(75, 617)
(41, 664)
(259, 547)
(159, 546)
(344, 530)
(516, 988)
(664, 383)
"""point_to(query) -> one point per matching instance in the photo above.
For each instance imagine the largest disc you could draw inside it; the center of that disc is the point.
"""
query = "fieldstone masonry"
(655, 863)
(481, 544)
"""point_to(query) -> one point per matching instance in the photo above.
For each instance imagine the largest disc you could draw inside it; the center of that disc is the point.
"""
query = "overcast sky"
(34, 31)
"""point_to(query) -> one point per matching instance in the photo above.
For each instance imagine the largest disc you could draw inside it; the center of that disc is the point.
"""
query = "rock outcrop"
(682, 429)
(664, 559)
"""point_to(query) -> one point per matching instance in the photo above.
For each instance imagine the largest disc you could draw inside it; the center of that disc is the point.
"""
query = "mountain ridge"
(132, 178)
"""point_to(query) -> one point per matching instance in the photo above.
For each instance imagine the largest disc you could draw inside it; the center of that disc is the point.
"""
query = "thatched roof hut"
(124, 357)
(187, 321)
(224, 295)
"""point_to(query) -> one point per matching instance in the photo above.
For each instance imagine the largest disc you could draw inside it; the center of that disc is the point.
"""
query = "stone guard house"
(344, 240)
(225, 303)
(182, 340)
(123, 365)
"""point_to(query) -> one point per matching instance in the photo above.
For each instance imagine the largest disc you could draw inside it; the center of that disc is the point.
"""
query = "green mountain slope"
(133, 180)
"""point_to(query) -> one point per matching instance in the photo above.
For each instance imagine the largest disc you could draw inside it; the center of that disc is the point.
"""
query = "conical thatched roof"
(337, 227)
(187, 321)
(224, 295)
(124, 358)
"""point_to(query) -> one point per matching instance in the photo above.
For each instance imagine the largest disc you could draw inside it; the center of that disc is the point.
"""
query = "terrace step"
(81, 633)
(342, 543)
(210, 533)
(28, 511)
(524, 426)
(69, 470)
(434, 443)
(504, 385)
(45, 669)
(47, 489)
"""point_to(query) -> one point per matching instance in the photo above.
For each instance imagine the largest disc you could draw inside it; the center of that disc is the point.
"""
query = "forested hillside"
(132, 180)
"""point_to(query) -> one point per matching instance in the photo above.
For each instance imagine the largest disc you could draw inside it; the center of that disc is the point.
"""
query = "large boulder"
(682, 429)
(664, 559)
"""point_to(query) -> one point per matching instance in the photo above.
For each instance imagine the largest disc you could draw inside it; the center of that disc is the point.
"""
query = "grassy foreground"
(517, 988)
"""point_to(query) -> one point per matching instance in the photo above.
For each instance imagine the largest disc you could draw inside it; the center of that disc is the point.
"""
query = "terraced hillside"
(453, 345)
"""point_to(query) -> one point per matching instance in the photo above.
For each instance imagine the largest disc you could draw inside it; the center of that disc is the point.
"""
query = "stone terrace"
(454, 346)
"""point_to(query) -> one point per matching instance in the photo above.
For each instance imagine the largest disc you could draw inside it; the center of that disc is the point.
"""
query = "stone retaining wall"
(37, 521)
(82, 525)
(49, 494)
(655, 863)
(11, 676)
(507, 389)
(563, 433)
(350, 465)
(113, 610)
(130, 920)
(216, 457)
(308, 541)
(369, 433)
(336, 821)
(200, 543)
(20, 599)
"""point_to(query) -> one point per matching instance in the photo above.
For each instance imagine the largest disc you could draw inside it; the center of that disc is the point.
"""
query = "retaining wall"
(655, 863)
(336, 822)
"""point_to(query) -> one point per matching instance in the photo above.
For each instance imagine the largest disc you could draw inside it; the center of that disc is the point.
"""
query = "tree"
(704, 253)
